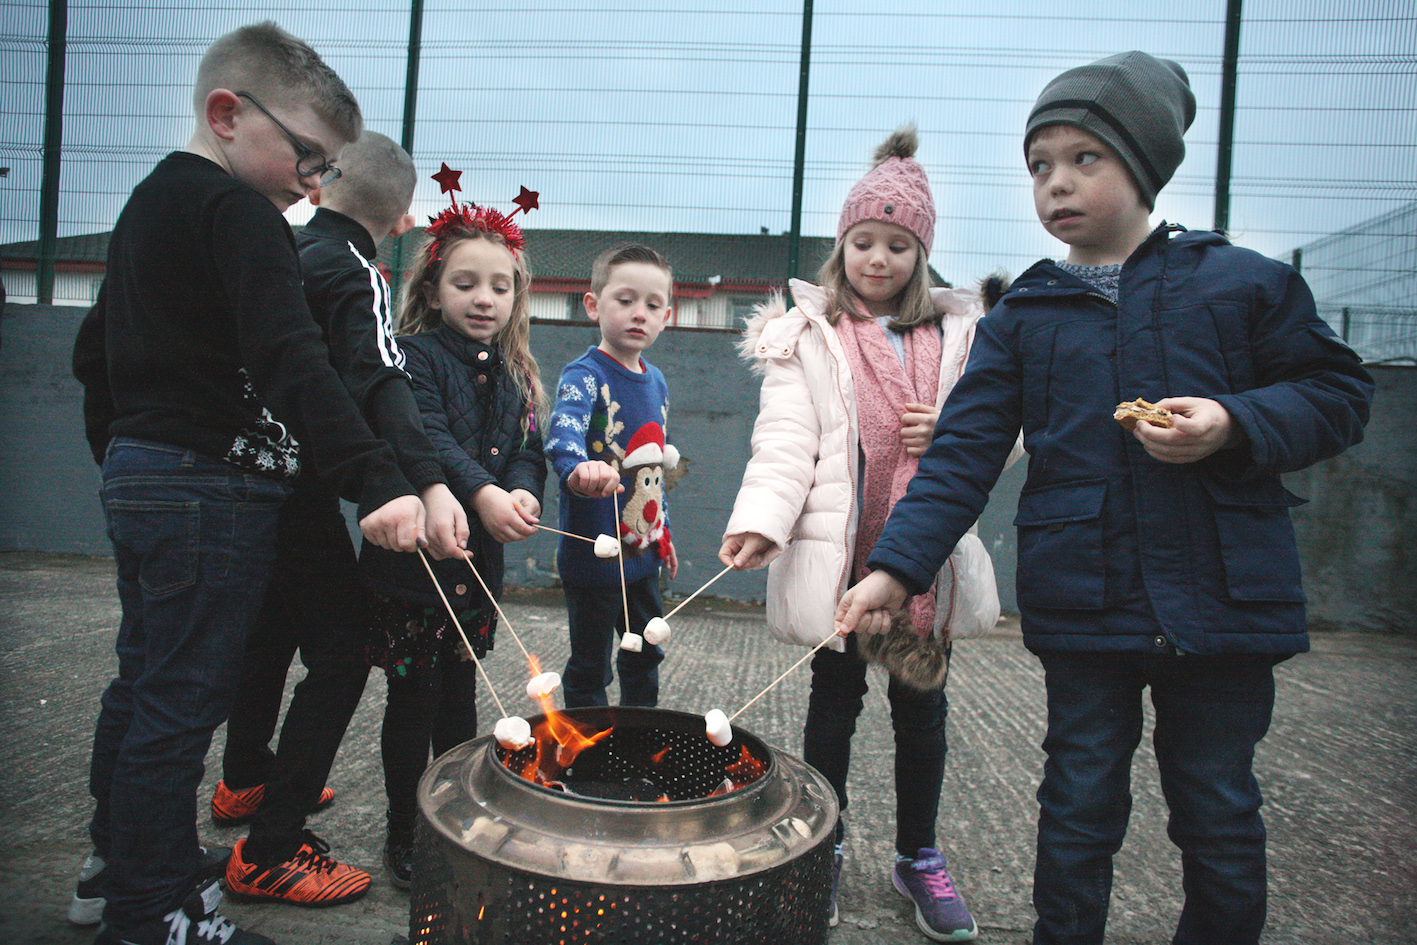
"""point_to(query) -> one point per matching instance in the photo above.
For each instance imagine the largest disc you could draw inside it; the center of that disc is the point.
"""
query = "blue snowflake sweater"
(605, 412)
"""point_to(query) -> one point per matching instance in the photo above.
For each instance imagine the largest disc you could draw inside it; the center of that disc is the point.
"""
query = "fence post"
(1226, 144)
(53, 151)
(794, 240)
(410, 110)
(1296, 259)
(1344, 324)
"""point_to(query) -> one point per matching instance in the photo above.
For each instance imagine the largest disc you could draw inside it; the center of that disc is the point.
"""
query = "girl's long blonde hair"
(915, 305)
(416, 315)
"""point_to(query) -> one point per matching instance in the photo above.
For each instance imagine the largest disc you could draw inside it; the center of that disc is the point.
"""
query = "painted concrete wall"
(1354, 534)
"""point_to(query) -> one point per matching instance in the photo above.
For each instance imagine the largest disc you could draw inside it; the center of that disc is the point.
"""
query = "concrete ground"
(1338, 772)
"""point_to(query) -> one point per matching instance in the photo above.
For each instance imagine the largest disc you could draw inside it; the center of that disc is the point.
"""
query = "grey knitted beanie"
(1137, 104)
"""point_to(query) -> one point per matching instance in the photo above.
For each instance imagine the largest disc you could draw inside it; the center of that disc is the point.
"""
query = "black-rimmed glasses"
(308, 161)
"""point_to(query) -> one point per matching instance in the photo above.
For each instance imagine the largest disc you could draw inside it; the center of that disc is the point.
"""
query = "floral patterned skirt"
(404, 635)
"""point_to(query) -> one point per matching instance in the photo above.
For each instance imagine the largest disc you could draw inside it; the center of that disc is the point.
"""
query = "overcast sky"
(631, 115)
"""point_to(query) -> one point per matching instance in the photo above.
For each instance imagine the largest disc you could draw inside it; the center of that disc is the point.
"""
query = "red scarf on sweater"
(883, 387)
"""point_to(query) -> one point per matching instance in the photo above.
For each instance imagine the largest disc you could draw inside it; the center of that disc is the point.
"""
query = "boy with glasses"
(205, 383)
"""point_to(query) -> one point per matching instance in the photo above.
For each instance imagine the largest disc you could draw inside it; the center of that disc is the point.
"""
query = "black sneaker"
(398, 860)
(195, 922)
(86, 908)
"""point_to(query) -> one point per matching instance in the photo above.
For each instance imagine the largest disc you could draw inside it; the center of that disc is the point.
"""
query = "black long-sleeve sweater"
(201, 338)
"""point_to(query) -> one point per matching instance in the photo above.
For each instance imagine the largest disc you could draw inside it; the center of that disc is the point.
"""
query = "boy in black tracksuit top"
(314, 602)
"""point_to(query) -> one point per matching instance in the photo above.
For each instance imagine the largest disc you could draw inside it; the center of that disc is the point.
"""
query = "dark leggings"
(839, 686)
(431, 706)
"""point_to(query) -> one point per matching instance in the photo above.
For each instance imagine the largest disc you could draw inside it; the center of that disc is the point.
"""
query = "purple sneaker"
(939, 912)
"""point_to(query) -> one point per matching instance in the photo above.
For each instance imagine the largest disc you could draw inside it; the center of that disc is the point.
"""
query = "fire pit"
(638, 840)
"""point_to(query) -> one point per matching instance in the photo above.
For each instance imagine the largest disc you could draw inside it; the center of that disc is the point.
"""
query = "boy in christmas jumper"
(315, 602)
(607, 444)
(206, 383)
(1161, 557)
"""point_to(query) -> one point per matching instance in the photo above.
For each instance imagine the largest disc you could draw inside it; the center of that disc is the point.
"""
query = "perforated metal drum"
(638, 841)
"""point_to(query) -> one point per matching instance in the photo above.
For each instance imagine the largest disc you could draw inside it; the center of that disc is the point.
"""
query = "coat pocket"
(802, 591)
(1061, 559)
(1257, 544)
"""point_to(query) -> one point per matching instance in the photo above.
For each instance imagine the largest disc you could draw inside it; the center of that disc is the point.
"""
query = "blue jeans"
(918, 719)
(1211, 712)
(193, 541)
(596, 616)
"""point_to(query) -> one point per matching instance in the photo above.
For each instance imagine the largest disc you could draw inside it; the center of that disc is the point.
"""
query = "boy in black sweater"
(203, 372)
(315, 602)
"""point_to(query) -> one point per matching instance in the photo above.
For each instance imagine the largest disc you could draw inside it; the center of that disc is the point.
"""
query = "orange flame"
(740, 773)
(569, 738)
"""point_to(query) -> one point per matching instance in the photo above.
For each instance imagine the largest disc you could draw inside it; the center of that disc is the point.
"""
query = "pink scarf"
(883, 388)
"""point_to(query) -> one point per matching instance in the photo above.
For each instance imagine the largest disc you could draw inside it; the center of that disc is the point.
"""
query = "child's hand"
(745, 550)
(917, 428)
(445, 522)
(673, 561)
(528, 502)
(500, 514)
(1202, 427)
(867, 607)
(397, 525)
(594, 479)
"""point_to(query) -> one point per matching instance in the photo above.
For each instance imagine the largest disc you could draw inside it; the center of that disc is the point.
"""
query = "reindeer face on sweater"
(642, 512)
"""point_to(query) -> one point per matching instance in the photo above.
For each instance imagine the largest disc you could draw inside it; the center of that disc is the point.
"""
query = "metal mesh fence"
(649, 117)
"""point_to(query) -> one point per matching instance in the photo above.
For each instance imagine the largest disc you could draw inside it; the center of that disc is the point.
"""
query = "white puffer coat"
(799, 489)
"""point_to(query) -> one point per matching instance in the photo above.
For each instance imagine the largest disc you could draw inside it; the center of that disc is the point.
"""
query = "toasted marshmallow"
(607, 546)
(717, 727)
(656, 631)
(513, 733)
(543, 685)
(632, 642)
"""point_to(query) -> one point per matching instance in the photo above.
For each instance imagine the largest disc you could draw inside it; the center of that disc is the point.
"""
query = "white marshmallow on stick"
(632, 642)
(543, 685)
(717, 727)
(606, 546)
(656, 631)
(513, 733)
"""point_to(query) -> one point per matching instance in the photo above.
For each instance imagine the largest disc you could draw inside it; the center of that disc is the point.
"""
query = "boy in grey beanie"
(1152, 558)
(1137, 104)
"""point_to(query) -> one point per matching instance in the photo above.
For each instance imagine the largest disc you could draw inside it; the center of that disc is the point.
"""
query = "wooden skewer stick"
(698, 592)
(439, 588)
(500, 612)
(810, 654)
(620, 554)
(548, 528)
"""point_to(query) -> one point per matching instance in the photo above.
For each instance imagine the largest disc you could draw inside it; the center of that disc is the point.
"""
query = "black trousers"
(430, 707)
(314, 604)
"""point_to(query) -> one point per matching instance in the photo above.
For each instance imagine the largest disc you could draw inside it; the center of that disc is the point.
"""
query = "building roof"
(751, 259)
(86, 248)
(759, 258)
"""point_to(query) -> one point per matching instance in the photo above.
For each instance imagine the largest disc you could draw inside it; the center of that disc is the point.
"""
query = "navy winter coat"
(1116, 550)
(472, 412)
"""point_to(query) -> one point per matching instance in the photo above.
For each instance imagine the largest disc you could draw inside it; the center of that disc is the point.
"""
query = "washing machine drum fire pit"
(651, 835)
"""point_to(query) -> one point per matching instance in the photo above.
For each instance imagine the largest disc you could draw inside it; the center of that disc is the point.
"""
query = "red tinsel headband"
(460, 219)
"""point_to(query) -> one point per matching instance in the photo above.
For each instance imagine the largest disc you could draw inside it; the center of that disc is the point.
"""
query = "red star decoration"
(447, 179)
(526, 201)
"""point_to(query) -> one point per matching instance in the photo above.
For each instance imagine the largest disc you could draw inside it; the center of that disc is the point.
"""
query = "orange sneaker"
(231, 808)
(309, 878)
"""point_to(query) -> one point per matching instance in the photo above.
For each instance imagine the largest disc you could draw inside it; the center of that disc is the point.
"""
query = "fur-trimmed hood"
(773, 325)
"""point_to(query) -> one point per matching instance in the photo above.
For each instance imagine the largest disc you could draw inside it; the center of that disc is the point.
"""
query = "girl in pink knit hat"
(853, 379)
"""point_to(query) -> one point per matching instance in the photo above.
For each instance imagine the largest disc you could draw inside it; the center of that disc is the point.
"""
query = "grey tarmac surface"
(1339, 771)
